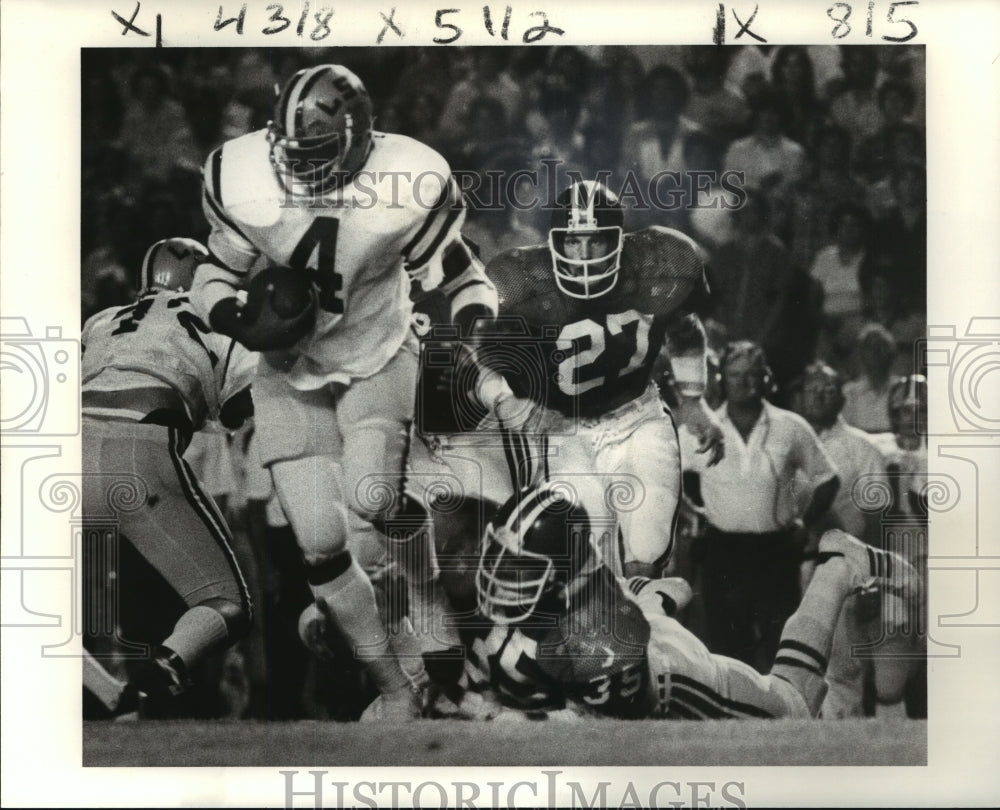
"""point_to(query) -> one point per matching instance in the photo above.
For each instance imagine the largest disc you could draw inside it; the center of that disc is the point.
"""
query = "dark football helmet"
(539, 541)
(322, 129)
(585, 239)
(170, 264)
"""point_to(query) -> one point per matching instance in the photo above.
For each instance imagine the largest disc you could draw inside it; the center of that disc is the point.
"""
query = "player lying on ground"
(564, 632)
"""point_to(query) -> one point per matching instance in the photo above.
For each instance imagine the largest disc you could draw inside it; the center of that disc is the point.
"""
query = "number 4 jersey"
(134, 355)
(587, 357)
(397, 219)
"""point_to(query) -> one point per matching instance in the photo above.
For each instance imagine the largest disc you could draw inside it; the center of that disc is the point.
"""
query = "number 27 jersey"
(586, 358)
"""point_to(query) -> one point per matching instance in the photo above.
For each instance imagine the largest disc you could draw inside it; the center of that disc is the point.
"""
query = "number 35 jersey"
(585, 358)
(360, 242)
(594, 656)
(133, 354)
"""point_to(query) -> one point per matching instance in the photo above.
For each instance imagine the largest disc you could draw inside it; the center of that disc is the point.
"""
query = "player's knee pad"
(236, 616)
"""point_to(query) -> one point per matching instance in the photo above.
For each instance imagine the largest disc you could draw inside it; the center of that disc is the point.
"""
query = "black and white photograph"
(471, 408)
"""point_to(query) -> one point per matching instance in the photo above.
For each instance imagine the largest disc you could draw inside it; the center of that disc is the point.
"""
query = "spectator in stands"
(713, 106)
(866, 399)
(804, 214)
(108, 271)
(769, 160)
(900, 243)
(752, 545)
(709, 207)
(655, 143)
(488, 79)
(855, 105)
(793, 80)
(421, 117)
(837, 268)
(760, 295)
(874, 157)
(153, 121)
(623, 80)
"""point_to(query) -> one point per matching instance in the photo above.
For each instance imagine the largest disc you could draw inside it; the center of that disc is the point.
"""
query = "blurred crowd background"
(824, 257)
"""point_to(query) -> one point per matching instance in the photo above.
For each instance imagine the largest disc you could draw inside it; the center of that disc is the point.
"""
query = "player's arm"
(809, 456)
(687, 347)
(235, 401)
(272, 315)
(232, 255)
(437, 257)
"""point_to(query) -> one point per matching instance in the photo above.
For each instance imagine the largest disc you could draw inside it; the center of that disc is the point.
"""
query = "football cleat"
(870, 568)
(401, 706)
(315, 634)
(163, 676)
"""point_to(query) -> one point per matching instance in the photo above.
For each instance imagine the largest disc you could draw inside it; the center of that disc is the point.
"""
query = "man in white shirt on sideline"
(751, 551)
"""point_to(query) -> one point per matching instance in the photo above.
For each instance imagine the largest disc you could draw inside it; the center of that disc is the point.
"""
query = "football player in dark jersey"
(565, 633)
(570, 367)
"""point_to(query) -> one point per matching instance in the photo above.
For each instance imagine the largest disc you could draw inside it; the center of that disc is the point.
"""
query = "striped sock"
(807, 638)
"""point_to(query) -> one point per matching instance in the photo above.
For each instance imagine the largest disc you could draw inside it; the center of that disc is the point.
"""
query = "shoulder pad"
(661, 268)
(239, 177)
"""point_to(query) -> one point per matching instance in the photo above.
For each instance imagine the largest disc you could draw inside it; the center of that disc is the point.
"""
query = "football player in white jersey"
(153, 374)
(369, 216)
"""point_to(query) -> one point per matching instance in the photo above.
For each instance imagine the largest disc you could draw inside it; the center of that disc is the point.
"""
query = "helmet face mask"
(321, 133)
(535, 547)
(510, 583)
(589, 210)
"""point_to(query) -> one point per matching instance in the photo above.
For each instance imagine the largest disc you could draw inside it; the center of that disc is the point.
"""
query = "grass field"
(456, 743)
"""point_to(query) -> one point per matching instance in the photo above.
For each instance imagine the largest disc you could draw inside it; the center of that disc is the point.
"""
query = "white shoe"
(400, 706)
(871, 567)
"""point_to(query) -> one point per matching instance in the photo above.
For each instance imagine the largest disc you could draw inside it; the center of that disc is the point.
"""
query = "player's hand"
(280, 309)
(704, 424)
(516, 414)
